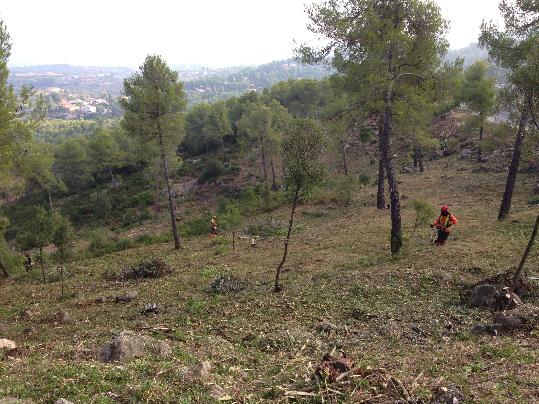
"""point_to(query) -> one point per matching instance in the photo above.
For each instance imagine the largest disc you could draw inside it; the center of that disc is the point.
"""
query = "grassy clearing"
(402, 314)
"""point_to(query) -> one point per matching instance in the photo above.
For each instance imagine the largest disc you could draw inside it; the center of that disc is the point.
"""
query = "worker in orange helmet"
(443, 225)
(213, 227)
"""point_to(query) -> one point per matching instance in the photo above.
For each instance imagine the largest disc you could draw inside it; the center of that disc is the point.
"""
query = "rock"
(7, 346)
(326, 327)
(478, 329)
(200, 371)
(63, 401)
(217, 393)
(126, 297)
(26, 314)
(100, 299)
(63, 317)
(29, 330)
(447, 395)
(507, 322)
(464, 154)
(536, 190)
(491, 329)
(12, 400)
(446, 276)
(128, 345)
(227, 284)
(407, 170)
(484, 296)
(150, 308)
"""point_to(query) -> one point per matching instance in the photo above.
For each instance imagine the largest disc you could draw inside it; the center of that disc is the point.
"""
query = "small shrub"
(364, 179)
(227, 284)
(195, 227)
(267, 228)
(154, 268)
(424, 213)
(150, 239)
(103, 241)
(194, 306)
(212, 169)
(220, 250)
(534, 200)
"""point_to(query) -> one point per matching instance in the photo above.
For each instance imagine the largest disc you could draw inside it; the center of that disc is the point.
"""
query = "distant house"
(88, 109)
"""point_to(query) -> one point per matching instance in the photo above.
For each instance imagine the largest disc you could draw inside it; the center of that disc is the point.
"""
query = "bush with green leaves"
(103, 241)
(212, 170)
(424, 214)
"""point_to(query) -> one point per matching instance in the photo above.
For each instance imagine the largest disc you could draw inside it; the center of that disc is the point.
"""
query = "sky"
(214, 33)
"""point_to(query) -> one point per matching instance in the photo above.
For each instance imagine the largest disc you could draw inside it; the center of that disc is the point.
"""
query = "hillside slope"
(402, 315)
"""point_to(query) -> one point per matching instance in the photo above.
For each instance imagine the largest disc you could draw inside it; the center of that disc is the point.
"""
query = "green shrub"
(424, 213)
(149, 239)
(212, 169)
(364, 179)
(534, 200)
(103, 241)
(195, 227)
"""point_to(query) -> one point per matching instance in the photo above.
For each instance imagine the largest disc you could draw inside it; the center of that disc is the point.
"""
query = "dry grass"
(402, 314)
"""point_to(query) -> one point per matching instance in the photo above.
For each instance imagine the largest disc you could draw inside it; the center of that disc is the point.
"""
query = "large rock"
(484, 296)
(126, 297)
(508, 322)
(200, 371)
(7, 346)
(128, 345)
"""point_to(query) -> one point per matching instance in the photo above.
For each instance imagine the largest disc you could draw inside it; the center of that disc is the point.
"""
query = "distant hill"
(201, 83)
(473, 53)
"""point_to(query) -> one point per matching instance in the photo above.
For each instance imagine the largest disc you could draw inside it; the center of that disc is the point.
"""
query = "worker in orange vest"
(213, 227)
(443, 225)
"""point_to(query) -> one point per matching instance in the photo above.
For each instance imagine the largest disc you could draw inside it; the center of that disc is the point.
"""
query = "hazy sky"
(215, 33)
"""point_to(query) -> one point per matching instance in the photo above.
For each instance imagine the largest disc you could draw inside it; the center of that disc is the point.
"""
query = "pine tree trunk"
(420, 160)
(273, 180)
(344, 162)
(224, 151)
(481, 129)
(414, 156)
(525, 256)
(513, 168)
(290, 223)
(50, 198)
(385, 135)
(263, 151)
(112, 180)
(164, 160)
(380, 197)
(4, 270)
(42, 264)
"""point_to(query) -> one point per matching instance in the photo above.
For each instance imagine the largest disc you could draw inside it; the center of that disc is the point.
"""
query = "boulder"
(507, 322)
(7, 346)
(484, 296)
(465, 154)
(127, 345)
(217, 393)
(126, 297)
(62, 317)
(200, 371)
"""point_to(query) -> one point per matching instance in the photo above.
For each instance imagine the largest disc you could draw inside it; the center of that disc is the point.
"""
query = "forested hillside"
(281, 233)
